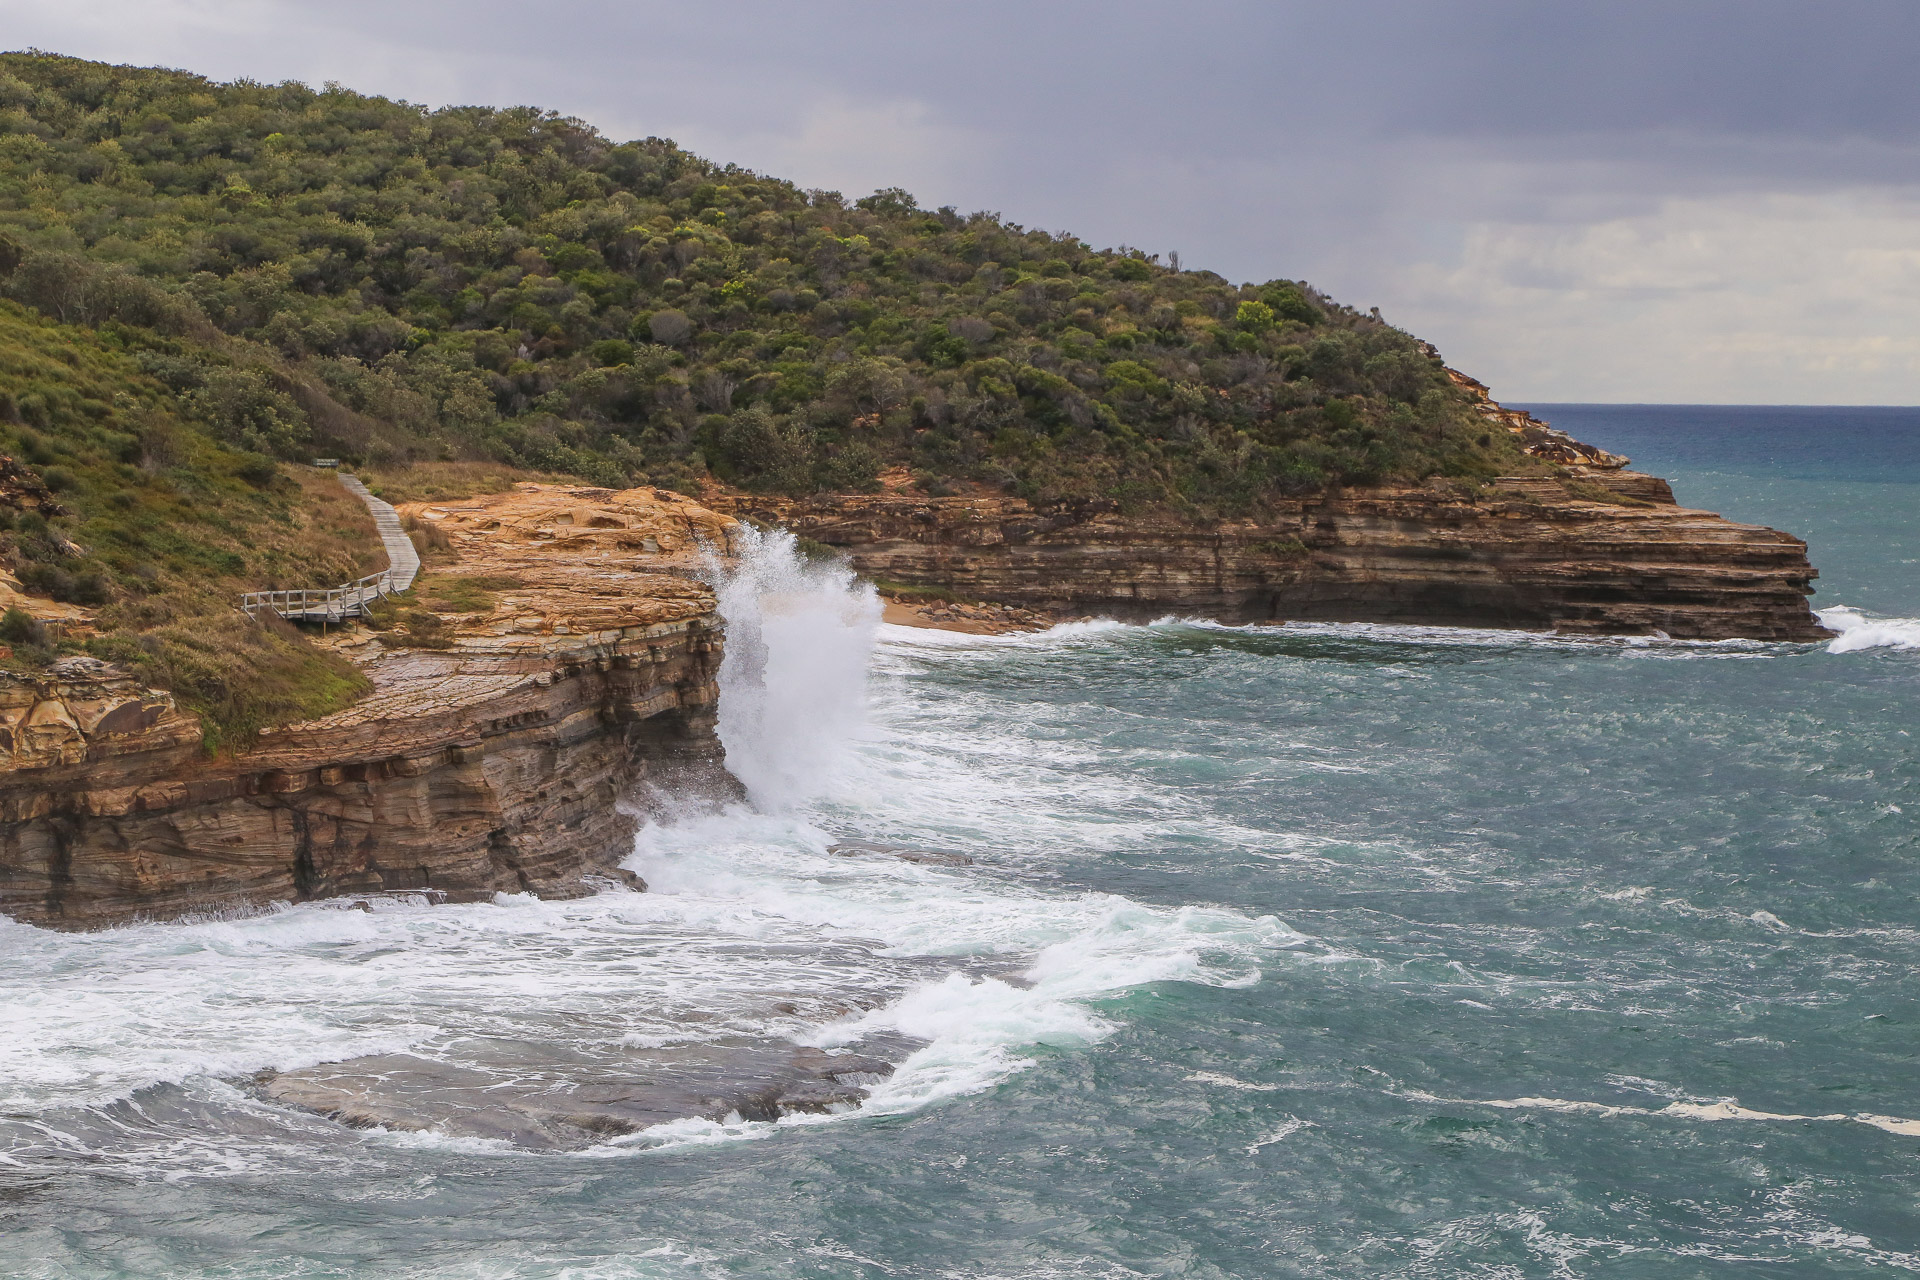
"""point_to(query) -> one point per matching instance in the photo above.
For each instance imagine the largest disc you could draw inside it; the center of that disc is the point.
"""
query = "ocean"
(1312, 950)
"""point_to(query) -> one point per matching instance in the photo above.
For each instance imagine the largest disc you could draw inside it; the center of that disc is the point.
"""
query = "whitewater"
(1313, 950)
(759, 925)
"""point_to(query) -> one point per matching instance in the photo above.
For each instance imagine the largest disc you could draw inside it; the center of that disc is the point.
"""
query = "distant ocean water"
(1315, 950)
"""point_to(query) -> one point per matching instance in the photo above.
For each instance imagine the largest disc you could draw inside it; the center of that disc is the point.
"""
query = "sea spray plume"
(793, 684)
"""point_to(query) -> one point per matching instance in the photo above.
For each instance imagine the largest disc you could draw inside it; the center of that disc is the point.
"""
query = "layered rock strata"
(1584, 550)
(491, 761)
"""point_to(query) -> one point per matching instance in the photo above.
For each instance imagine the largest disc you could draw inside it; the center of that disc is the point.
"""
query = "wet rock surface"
(560, 1107)
(973, 617)
(924, 857)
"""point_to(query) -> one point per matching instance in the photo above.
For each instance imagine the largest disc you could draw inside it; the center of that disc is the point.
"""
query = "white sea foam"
(1860, 630)
(1064, 955)
(770, 871)
(1658, 646)
(756, 929)
(1684, 1109)
(1291, 1126)
(1229, 1082)
(1059, 633)
(1892, 1124)
(936, 638)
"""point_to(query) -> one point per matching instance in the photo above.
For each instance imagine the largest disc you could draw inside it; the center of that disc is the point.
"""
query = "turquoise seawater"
(1318, 951)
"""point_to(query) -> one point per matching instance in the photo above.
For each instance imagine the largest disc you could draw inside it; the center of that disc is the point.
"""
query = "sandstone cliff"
(489, 762)
(576, 650)
(1585, 550)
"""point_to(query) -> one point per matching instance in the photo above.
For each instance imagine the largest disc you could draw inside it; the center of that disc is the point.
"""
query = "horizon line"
(1700, 404)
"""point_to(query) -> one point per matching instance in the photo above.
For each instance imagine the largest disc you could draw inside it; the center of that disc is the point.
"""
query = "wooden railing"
(337, 604)
(322, 604)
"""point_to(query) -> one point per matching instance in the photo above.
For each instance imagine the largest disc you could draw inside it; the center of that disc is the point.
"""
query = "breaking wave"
(793, 680)
(842, 845)
(1860, 630)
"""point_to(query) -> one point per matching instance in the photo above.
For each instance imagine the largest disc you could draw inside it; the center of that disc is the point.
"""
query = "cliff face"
(577, 652)
(1603, 551)
(491, 764)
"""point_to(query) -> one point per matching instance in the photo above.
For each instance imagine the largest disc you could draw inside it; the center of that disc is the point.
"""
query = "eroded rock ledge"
(492, 764)
(1591, 550)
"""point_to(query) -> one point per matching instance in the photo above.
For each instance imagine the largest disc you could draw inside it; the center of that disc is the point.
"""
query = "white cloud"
(1730, 299)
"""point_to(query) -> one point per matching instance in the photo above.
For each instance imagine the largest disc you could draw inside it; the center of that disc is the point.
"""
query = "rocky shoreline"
(1588, 552)
(579, 649)
(904, 609)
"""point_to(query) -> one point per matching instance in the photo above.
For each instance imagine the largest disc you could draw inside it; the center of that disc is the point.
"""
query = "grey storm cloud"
(1626, 200)
(1227, 77)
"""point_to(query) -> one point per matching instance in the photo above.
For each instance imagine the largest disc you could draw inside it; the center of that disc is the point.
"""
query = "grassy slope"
(157, 528)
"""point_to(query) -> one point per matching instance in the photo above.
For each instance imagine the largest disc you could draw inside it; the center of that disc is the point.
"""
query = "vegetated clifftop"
(325, 271)
(328, 272)
(571, 651)
(1582, 546)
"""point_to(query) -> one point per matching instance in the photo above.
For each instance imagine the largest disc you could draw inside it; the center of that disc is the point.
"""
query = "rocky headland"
(1523, 551)
(563, 646)
(1582, 545)
(489, 756)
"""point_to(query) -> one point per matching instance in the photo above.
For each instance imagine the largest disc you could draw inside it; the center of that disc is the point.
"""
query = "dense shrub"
(240, 675)
(17, 626)
(322, 271)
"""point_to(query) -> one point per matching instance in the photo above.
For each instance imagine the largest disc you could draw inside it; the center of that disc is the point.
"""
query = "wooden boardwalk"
(351, 599)
(403, 562)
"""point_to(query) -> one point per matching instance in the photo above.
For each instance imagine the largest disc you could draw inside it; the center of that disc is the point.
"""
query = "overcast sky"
(1635, 200)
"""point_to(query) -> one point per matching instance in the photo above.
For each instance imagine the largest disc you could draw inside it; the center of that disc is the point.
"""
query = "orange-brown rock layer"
(1597, 551)
(490, 765)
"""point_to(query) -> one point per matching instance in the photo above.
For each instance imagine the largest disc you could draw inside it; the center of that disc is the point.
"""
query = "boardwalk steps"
(352, 599)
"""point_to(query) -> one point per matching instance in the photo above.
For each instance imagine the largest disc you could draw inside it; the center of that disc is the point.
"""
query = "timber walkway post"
(352, 599)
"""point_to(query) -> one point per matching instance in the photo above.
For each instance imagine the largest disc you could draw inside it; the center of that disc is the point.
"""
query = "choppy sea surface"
(1311, 950)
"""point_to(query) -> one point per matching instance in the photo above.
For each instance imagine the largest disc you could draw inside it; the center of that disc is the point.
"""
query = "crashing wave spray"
(1859, 631)
(793, 684)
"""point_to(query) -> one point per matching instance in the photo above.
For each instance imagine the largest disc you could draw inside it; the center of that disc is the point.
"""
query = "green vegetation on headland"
(117, 497)
(204, 281)
(393, 283)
